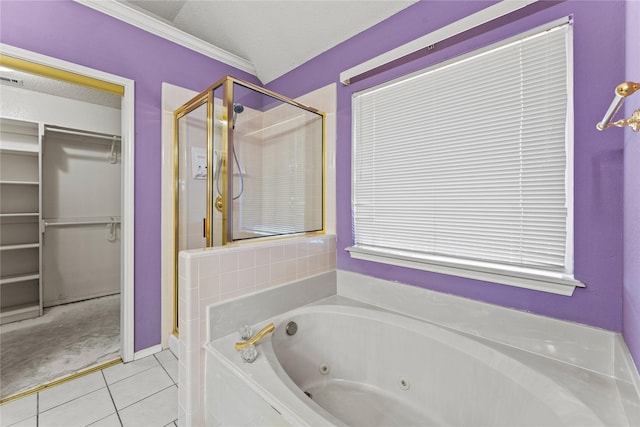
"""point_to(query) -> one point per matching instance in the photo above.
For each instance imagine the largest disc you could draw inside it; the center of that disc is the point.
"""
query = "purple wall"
(598, 67)
(75, 33)
(81, 35)
(631, 286)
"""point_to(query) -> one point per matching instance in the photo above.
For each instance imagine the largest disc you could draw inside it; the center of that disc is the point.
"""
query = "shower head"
(237, 108)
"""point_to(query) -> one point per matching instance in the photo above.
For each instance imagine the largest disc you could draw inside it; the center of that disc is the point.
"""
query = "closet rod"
(61, 222)
(82, 133)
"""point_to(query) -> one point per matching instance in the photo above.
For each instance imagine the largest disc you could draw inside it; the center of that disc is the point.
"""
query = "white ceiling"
(275, 36)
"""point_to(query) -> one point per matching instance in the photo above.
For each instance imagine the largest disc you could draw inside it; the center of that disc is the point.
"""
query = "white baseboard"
(174, 345)
(147, 352)
(624, 367)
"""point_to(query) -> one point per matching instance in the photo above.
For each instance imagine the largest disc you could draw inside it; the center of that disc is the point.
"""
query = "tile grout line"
(67, 401)
(146, 397)
(117, 411)
(129, 376)
(165, 369)
(111, 397)
(138, 373)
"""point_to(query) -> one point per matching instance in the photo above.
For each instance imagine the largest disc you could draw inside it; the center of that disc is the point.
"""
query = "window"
(466, 168)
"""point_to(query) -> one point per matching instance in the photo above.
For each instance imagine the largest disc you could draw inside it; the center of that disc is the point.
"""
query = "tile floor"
(143, 393)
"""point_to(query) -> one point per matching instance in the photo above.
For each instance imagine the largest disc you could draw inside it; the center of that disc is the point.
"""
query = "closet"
(20, 280)
(60, 204)
(80, 226)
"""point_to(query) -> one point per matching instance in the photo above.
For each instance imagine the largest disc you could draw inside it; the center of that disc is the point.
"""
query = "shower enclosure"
(249, 164)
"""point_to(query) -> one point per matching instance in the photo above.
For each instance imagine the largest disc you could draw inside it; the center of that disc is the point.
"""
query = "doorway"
(73, 139)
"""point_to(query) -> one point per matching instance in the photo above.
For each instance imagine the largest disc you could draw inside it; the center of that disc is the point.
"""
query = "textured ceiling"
(276, 36)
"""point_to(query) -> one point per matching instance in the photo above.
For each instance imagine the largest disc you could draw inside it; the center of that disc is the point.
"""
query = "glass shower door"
(192, 179)
(276, 163)
(191, 170)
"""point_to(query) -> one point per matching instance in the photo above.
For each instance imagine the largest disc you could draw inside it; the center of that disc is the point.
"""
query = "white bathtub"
(368, 367)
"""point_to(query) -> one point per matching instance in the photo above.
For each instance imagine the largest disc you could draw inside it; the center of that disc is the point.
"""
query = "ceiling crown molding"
(155, 26)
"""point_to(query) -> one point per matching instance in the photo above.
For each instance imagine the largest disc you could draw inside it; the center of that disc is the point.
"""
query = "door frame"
(173, 97)
(78, 74)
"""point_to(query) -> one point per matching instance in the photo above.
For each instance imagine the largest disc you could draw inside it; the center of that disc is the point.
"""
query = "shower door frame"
(203, 98)
(206, 97)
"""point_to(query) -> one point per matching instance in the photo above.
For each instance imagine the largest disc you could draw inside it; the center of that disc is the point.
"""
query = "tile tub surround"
(584, 346)
(574, 348)
(588, 347)
(214, 275)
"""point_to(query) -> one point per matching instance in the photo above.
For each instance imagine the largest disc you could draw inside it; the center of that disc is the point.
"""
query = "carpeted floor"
(66, 339)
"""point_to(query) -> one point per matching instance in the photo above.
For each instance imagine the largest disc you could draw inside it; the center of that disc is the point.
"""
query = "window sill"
(539, 280)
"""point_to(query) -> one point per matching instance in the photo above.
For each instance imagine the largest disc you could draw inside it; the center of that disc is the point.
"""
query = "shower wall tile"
(229, 282)
(247, 259)
(209, 266)
(302, 267)
(263, 276)
(228, 261)
(218, 274)
(247, 279)
(277, 254)
(263, 256)
(204, 302)
(290, 251)
(210, 287)
(277, 272)
(229, 295)
(301, 250)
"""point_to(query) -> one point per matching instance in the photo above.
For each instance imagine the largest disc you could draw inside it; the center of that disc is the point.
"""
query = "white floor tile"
(155, 411)
(29, 422)
(169, 362)
(165, 356)
(119, 372)
(70, 390)
(18, 410)
(144, 390)
(111, 421)
(172, 369)
(79, 412)
(137, 387)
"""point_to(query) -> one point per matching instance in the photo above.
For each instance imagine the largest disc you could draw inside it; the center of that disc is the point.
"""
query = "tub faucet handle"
(257, 337)
(246, 332)
(249, 353)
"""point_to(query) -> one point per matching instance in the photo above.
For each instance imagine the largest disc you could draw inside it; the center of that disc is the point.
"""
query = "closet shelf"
(13, 313)
(18, 247)
(23, 151)
(20, 182)
(17, 278)
(19, 214)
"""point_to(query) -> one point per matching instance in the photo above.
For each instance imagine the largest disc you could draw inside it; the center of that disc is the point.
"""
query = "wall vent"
(11, 81)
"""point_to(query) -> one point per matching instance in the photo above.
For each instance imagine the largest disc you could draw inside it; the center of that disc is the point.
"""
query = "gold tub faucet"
(257, 337)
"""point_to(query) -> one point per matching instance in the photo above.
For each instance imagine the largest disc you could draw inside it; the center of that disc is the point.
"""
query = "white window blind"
(471, 160)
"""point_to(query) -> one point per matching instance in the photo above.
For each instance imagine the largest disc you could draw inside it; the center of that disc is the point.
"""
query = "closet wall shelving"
(20, 214)
(59, 219)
